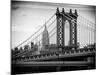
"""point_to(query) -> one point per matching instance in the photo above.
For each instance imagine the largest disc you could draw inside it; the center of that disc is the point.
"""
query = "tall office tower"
(45, 37)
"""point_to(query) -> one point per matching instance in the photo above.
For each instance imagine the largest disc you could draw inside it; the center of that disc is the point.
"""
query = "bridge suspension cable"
(87, 20)
(36, 31)
(90, 26)
(74, 21)
(84, 20)
(41, 32)
(50, 33)
(81, 25)
(54, 32)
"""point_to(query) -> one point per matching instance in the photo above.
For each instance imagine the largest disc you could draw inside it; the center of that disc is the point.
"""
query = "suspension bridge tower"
(72, 19)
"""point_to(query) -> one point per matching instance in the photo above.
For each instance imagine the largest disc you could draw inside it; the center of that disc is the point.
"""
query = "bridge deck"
(54, 63)
(58, 56)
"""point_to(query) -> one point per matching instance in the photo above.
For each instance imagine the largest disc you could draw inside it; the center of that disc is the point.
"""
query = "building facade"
(45, 38)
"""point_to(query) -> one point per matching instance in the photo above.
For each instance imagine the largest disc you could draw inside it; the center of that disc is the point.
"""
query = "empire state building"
(45, 37)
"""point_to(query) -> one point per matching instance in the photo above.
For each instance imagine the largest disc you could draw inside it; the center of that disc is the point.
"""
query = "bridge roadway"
(53, 63)
(69, 54)
(42, 64)
(51, 66)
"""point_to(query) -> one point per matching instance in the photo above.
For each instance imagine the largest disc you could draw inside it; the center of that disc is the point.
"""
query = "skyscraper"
(45, 37)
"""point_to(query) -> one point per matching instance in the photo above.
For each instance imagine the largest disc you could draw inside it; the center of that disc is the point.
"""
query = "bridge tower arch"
(72, 19)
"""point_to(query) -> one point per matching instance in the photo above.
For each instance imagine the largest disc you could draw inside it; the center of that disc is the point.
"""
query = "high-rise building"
(45, 37)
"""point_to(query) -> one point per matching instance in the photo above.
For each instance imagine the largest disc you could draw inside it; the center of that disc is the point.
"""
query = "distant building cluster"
(37, 49)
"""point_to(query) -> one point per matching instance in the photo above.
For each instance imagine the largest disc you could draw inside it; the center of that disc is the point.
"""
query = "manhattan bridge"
(32, 52)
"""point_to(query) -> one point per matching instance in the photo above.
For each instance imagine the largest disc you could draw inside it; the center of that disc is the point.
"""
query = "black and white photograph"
(52, 37)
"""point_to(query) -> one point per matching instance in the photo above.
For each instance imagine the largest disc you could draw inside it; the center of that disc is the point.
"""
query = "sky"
(28, 17)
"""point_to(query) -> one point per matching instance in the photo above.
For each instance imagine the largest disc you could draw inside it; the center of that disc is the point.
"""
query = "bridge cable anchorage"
(39, 34)
(36, 31)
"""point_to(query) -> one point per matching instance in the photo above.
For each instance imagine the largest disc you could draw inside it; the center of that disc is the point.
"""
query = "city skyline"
(26, 18)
